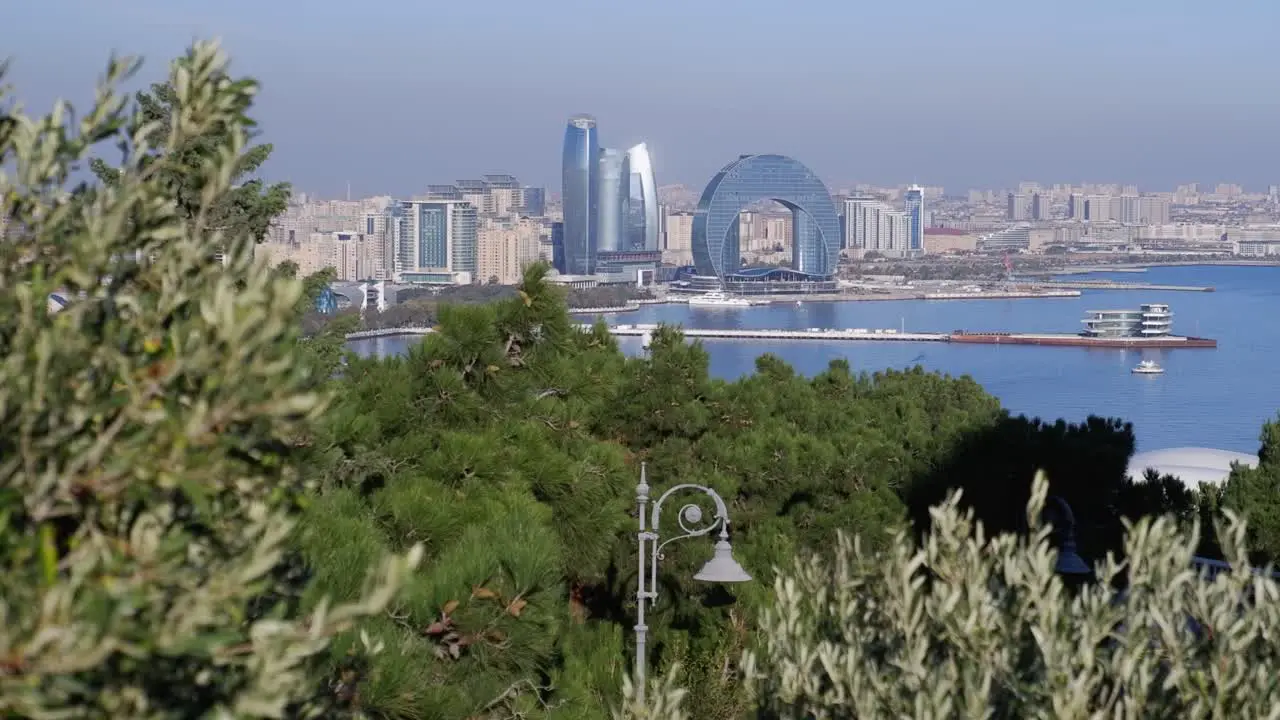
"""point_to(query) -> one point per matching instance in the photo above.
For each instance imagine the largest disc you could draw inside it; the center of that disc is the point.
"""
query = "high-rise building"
(1019, 207)
(498, 251)
(643, 220)
(492, 196)
(352, 256)
(1041, 206)
(614, 197)
(872, 225)
(506, 246)
(581, 195)
(679, 231)
(815, 245)
(506, 182)
(436, 242)
(381, 228)
(535, 201)
(1075, 206)
(916, 218)
(1154, 210)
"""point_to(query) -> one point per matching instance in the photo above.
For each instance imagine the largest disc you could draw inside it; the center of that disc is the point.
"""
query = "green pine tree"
(248, 205)
(1255, 493)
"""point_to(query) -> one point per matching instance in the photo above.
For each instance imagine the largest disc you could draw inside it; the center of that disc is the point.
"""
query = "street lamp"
(721, 568)
(1070, 565)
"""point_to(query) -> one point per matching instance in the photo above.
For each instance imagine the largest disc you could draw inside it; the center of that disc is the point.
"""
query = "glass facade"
(643, 223)
(753, 178)
(615, 178)
(915, 218)
(435, 235)
(1150, 320)
(535, 202)
(463, 239)
(432, 234)
(326, 302)
(581, 195)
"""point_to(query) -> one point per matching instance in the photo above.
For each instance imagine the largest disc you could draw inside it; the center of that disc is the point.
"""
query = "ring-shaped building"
(751, 179)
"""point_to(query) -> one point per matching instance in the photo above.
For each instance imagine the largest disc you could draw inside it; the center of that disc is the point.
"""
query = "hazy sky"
(391, 95)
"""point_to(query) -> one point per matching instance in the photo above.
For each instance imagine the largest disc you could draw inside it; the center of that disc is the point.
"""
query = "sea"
(1217, 398)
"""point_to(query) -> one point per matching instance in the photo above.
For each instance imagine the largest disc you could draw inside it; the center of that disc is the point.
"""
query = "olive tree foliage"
(663, 701)
(966, 625)
(148, 483)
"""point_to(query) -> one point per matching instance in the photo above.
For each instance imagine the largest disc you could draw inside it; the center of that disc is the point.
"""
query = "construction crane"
(1008, 268)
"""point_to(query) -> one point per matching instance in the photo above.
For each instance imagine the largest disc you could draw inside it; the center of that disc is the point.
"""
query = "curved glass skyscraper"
(815, 230)
(581, 195)
(615, 178)
(642, 220)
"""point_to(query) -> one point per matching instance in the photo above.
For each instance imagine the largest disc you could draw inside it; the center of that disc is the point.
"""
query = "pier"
(1114, 285)
(770, 334)
(645, 332)
(1166, 342)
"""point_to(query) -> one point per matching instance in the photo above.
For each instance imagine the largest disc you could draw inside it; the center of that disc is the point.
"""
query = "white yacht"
(1148, 367)
(717, 298)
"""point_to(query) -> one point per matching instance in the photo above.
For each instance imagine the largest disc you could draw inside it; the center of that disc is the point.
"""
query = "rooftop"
(1195, 466)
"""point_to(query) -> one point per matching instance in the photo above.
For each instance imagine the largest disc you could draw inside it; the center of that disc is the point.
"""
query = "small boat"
(717, 298)
(1148, 367)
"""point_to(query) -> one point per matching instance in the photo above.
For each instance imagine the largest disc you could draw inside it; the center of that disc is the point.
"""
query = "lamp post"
(721, 568)
(1070, 566)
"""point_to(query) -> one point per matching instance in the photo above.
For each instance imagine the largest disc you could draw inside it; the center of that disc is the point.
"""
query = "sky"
(389, 96)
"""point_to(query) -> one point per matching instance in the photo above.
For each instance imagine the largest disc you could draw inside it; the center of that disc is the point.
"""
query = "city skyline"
(976, 96)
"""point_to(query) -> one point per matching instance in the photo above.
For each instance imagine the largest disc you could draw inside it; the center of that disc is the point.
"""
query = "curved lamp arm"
(690, 519)
(691, 515)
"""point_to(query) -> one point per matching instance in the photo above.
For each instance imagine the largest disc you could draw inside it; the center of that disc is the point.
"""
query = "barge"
(1149, 326)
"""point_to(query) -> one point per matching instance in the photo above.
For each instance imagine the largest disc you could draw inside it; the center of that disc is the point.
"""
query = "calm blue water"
(1215, 398)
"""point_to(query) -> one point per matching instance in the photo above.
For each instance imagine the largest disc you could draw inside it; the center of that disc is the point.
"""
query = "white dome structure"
(1195, 466)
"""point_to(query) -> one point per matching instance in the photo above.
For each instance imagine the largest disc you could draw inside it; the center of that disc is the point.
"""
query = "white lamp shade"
(722, 568)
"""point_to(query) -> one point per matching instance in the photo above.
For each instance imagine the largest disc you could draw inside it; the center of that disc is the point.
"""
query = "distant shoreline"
(827, 298)
(1084, 269)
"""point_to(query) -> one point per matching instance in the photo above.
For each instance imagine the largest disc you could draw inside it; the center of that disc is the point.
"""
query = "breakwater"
(1115, 285)
(629, 307)
(1001, 295)
(770, 334)
(646, 331)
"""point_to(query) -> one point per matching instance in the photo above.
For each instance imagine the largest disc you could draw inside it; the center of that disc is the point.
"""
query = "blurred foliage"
(149, 483)
(967, 624)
